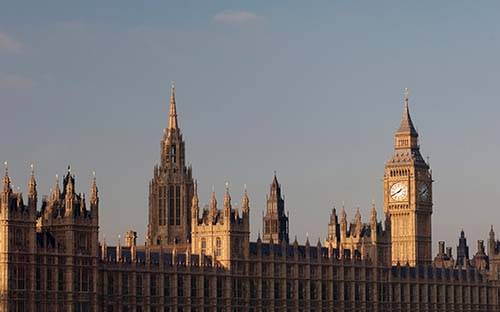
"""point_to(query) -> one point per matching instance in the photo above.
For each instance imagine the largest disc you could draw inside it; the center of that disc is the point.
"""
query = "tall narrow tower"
(171, 189)
(408, 196)
(275, 221)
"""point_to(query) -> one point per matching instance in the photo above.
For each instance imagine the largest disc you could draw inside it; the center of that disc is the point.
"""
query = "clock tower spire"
(408, 196)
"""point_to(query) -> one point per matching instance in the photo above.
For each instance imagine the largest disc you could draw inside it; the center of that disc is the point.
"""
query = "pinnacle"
(406, 125)
(172, 118)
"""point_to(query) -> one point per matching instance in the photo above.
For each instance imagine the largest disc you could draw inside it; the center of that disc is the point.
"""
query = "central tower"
(171, 189)
(275, 222)
(408, 196)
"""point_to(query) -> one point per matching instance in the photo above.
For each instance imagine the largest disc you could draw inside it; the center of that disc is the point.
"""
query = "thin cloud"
(13, 81)
(235, 17)
(9, 44)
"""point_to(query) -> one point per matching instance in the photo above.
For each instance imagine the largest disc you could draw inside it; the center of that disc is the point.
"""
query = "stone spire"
(69, 185)
(6, 180)
(227, 205)
(32, 183)
(406, 125)
(245, 202)
(94, 192)
(213, 205)
(195, 202)
(343, 215)
(373, 218)
(227, 198)
(57, 190)
(172, 117)
(357, 220)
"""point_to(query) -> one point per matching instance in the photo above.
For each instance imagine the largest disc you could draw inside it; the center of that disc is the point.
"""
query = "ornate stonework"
(203, 260)
(408, 197)
(171, 190)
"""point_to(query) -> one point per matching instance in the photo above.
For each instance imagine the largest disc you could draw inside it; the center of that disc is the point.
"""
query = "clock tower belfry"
(408, 196)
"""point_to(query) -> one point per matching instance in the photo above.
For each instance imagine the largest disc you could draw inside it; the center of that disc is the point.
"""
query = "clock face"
(423, 192)
(399, 191)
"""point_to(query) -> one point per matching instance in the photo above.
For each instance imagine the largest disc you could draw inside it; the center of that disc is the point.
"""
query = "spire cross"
(32, 166)
(405, 93)
(5, 165)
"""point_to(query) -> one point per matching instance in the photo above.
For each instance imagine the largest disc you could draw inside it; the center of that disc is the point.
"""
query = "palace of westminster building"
(201, 258)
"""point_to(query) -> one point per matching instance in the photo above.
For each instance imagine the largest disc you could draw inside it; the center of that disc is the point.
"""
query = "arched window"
(203, 246)
(172, 153)
(218, 247)
(171, 205)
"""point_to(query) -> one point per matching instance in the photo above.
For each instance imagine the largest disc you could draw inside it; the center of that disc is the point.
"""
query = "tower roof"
(172, 117)
(406, 125)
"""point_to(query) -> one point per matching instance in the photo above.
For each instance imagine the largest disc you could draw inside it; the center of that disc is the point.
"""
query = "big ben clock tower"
(408, 197)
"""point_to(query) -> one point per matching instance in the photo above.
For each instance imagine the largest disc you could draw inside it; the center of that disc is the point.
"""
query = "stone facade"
(51, 260)
(171, 190)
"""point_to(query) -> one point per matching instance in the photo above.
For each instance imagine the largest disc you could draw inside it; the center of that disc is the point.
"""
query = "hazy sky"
(312, 90)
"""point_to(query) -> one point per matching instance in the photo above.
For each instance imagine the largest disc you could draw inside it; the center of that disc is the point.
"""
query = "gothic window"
(19, 238)
(38, 282)
(110, 283)
(166, 286)
(172, 153)
(82, 241)
(138, 285)
(85, 280)
(162, 205)
(180, 286)
(218, 247)
(60, 280)
(171, 205)
(194, 286)
(178, 205)
(49, 279)
(203, 246)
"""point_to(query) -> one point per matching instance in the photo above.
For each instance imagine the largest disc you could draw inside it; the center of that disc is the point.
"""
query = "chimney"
(441, 248)
(131, 238)
(448, 252)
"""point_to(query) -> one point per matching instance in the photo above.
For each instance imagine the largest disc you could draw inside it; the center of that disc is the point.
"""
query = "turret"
(373, 223)
(69, 194)
(462, 250)
(213, 207)
(357, 221)
(245, 207)
(333, 228)
(32, 192)
(227, 205)
(6, 188)
(57, 191)
(195, 208)
(343, 225)
(94, 197)
(275, 221)
(492, 243)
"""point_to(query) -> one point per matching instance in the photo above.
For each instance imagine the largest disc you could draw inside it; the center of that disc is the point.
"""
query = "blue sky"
(311, 90)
